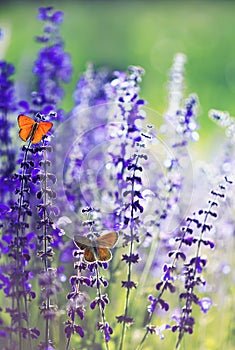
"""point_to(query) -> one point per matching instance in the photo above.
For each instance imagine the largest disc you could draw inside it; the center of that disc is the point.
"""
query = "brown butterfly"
(30, 129)
(97, 249)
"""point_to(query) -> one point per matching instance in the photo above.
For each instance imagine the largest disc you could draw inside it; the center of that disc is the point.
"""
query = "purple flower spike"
(52, 66)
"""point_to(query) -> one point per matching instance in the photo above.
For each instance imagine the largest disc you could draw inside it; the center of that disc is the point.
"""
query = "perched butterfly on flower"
(97, 249)
(32, 130)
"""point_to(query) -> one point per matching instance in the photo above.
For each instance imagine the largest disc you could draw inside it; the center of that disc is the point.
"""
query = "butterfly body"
(97, 249)
(32, 130)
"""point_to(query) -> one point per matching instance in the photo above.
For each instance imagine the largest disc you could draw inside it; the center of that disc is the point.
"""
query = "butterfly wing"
(24, 121)
(82, 242)
(89, 255)
(26, 124)
(29, 129)
(103, 254)
(42, 130)
(108, 240)
(25, 133)
(97, 249)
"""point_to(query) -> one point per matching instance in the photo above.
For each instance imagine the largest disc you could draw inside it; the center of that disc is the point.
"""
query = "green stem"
(47, 331)
(20, 267)
(129, 269)
(101, 308)
(127, 299)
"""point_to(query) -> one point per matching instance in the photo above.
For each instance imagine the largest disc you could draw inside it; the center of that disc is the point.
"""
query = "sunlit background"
(117, 34)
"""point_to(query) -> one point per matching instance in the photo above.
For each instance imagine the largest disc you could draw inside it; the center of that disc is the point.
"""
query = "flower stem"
(127, 296)
(45, 217)
(100, 305)
(129, 269)
(20, 266)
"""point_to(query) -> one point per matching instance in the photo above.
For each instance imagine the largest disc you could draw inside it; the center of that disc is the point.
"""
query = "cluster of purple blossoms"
(171, 176)
(125, 133)
(19, 241)
(87, 131)
(52, 67)
(88, 275)
(196, 233)
(8, 106)
(19, 237)
(179, 129)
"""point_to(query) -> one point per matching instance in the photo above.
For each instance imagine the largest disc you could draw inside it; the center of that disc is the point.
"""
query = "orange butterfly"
(97, 249)
(29, 129)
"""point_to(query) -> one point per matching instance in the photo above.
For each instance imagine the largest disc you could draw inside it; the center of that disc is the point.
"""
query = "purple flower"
(125, 319)
(7, 92)
(48, 281)
(47, 14)
(194, 267)
(106, 329)
(70, 329)
(101, 301)
(152, 306)
(133, 258)
(52, 67)
(7, 151)
(224, 120)
(157, 330)
(129, 284)
(88, 118)
(205, 304)
(79, 330)
(44, 13)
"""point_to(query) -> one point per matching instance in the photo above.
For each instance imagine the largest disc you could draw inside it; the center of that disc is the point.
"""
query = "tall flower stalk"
(171, 187)
(196, 233)
(77, 301)
(101, 300)
(7, 107)
(48, 277)
(89, 275)
(132, 211)
(20, 244)
(53, 65)
(97, 280)
(194, 267)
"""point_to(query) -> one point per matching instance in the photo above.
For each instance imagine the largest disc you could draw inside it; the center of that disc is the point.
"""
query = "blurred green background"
(146, 33)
